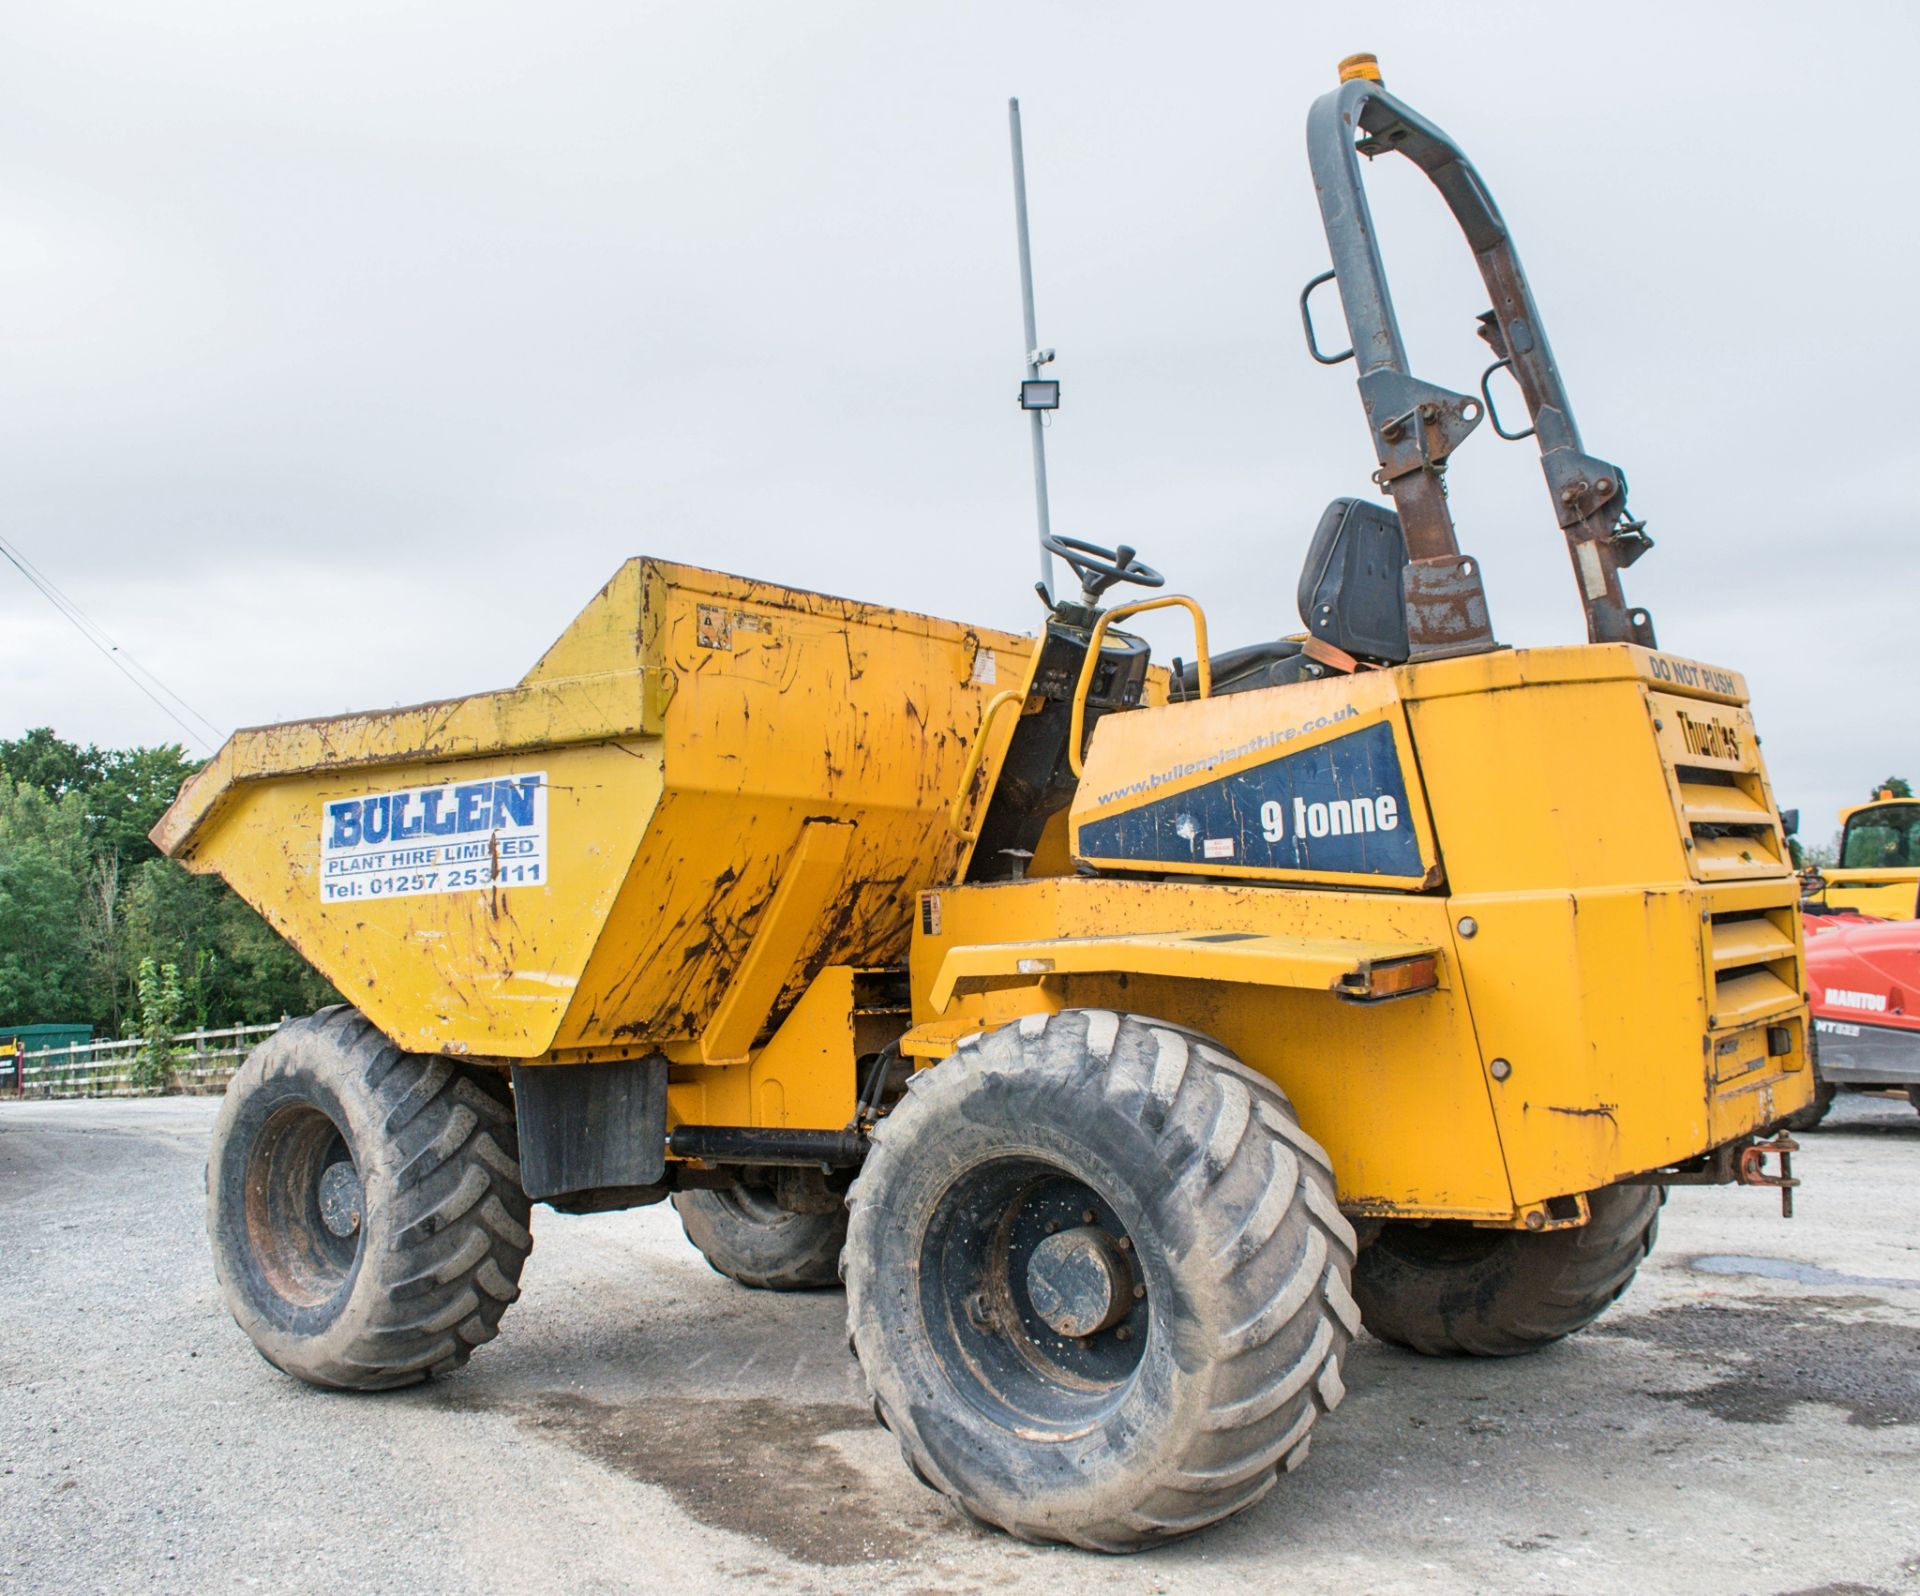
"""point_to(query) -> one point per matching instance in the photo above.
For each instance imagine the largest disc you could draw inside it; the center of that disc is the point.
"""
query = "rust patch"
(1604, 1111)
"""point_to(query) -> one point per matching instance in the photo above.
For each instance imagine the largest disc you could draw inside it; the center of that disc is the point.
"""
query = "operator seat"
(1352, 595)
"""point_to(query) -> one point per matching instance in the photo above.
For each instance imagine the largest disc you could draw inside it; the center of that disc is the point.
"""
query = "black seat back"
(1352, 589)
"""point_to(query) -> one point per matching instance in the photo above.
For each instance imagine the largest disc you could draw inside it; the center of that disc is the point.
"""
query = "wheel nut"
(1123, 1334)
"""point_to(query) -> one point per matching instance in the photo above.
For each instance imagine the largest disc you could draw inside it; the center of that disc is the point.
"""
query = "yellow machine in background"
(1126, 1036)
(1878, 871)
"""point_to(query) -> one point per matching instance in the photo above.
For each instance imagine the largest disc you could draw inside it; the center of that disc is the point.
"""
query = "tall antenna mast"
(1037, 394)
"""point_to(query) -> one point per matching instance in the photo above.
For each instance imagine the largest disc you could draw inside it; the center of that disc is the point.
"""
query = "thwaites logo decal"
(466, 836)
(1339, 808)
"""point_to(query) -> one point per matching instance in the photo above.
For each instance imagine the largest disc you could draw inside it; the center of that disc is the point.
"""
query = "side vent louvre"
(1731, 824)
(1754, 963)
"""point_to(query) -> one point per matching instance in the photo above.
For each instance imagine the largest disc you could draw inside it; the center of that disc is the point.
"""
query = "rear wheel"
(364, 1205)
(744, 1233)
(1913, 1096)
(1806, 1118)
(1097, 1282)
(1447, 1287)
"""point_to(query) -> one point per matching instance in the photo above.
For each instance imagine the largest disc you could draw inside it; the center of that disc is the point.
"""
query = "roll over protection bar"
(1417, 425)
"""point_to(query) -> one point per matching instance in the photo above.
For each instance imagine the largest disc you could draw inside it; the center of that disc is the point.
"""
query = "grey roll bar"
(1417, 425)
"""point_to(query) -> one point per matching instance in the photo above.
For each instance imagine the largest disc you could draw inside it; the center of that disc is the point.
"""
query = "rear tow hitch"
(1751, 1169)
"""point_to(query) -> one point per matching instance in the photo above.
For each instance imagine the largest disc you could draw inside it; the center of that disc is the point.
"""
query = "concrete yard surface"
(1746, 1420)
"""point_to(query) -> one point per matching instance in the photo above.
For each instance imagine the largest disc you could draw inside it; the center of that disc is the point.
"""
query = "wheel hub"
(1079, 1282)
(342, 1198)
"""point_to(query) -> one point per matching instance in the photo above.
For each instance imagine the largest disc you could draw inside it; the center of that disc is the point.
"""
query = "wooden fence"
(199, 1062)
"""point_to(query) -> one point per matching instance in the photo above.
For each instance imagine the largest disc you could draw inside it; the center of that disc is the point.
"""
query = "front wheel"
(364, 1205)
(1452, 1288)
(1096, 1280)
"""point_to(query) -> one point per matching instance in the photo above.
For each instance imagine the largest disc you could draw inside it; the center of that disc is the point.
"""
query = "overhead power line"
(129, 667)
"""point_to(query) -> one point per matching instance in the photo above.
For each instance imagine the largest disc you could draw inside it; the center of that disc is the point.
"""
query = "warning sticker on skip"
(466, 836)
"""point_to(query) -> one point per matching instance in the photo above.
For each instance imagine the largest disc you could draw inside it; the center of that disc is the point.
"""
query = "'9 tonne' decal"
(1338, 808)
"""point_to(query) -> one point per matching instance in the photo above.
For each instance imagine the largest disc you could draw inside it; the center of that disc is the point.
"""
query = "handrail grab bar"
(999, 701)
(1120, 613)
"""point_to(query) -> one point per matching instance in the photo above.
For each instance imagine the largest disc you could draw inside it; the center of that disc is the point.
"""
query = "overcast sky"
(345, 350)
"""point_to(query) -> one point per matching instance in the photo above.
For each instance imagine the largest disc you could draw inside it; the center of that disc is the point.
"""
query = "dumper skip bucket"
(705, 792)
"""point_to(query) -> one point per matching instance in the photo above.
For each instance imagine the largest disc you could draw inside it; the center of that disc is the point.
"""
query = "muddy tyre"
(364, 1205)
(1448, 1288)
(747, 1236)
(1097, 1282)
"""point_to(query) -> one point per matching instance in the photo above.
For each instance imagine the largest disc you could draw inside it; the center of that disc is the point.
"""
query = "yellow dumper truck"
(1127, 1038)
(1878, 871)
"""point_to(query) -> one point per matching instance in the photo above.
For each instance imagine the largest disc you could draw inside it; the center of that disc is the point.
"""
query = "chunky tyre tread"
(1529, 1291)
(1282, 1315)
(797, 1252)
(458, 1217)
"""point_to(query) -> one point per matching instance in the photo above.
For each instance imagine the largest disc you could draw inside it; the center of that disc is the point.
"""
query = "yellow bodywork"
(1581, 962)
(1619, 981)
(746, 785)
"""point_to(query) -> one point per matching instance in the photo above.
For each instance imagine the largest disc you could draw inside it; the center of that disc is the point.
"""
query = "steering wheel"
(1101, 568)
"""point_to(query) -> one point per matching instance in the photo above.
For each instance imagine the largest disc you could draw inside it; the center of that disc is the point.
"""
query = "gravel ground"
(1747, 1420)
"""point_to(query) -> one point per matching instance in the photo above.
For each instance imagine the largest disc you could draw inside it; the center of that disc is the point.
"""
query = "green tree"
(161, 1004)
(1897, 786)
(199, 998)
(86, 899)
(54, 765)
(46, 970)
(241, 970)
(130, 794)
(127, 789)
